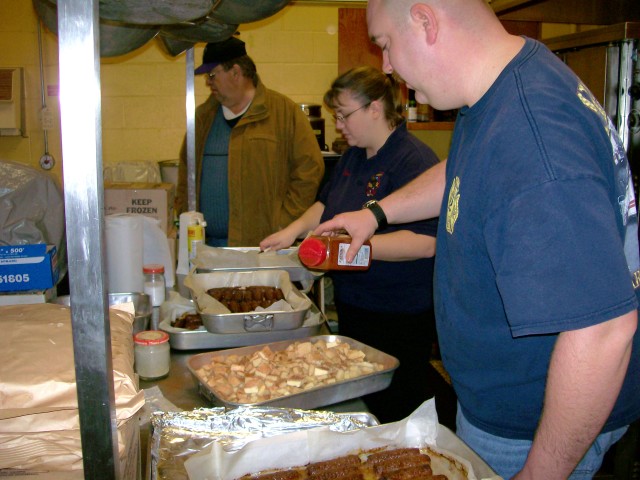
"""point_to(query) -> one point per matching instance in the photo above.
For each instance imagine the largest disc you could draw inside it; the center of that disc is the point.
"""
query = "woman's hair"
(368, 84)
(247, 66)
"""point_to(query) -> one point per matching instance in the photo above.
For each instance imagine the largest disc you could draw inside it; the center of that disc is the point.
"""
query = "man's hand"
(361, 225)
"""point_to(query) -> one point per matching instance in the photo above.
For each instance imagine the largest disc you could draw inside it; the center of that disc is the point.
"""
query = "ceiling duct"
(115, 38)
(209, 31)
(154, 12)
(126, 25)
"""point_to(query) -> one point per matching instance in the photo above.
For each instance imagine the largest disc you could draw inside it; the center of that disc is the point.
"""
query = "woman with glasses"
(389, 306)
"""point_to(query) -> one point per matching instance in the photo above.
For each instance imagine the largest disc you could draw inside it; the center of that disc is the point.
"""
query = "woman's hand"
(278, 241)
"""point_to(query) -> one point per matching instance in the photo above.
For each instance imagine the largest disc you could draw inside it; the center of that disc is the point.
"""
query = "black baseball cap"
(216, 53)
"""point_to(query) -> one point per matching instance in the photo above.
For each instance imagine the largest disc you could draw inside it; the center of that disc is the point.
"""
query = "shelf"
(593, 12)
(430, 125)
(598, 36)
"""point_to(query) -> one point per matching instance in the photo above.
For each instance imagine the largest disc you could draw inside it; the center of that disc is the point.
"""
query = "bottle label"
(195, 236)
(156, 292)
(361, 259)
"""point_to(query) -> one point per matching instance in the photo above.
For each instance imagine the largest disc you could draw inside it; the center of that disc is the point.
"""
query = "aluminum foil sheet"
(178, 435)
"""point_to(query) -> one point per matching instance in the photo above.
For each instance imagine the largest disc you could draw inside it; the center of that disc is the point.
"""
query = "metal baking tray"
(262, 321)
(285, 259)
(182, 339)
(315, 397)
(176, 436)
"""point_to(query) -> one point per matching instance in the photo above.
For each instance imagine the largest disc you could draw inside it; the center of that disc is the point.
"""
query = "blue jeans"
(506, 456)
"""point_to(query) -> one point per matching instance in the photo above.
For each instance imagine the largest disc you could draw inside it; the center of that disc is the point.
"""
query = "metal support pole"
(624, 99)
(191, 133)
(80, 109)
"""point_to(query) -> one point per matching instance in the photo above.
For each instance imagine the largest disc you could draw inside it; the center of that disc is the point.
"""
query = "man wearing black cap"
(258, 162)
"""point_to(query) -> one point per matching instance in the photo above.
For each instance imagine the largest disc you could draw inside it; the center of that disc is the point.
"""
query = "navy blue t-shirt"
(407, 286)
(537, 215)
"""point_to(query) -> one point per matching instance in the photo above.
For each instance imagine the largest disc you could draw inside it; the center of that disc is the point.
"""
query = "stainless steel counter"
(181, 389)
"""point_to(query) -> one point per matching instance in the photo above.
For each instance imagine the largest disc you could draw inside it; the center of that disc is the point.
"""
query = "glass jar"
(329, 253)
(154, 283)
(412, 111)
(152, 354)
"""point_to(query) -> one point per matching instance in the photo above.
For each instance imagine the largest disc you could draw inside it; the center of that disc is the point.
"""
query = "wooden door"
(355, 47)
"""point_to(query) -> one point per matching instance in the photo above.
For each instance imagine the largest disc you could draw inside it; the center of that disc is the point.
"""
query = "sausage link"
(384, 455)
(349, 472)
(420, 472)
(340, 462)
(400, 463)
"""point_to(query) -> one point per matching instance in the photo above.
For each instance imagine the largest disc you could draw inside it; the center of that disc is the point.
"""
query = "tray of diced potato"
(305, 373)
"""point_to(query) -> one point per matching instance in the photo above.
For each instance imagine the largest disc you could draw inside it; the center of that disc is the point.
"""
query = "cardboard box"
(28, 298)
(28, 267)
(153, 200)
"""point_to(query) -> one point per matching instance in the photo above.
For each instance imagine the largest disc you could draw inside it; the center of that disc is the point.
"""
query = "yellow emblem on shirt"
(452, 204)
(589, 101)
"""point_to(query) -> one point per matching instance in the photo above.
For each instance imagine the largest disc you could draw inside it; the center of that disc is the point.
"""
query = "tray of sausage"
(305, 373)
(415, 448)
(407, 463)
(247, 301)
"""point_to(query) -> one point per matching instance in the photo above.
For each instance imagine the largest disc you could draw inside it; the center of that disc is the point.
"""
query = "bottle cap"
(312, 252)
(151, 337)
(153, 268)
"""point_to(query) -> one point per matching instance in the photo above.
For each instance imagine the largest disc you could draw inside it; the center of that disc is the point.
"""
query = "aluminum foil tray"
(285, 259)
(175, 436)
(201, 339)
(312, 398)
(217, 319)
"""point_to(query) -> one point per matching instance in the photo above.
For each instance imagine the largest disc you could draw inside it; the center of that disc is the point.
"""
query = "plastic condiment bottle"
(154, 283)
(330, 253)
(195, 237)
(152, 354)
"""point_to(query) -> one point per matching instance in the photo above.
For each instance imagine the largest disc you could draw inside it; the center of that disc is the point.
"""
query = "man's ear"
(424, 16)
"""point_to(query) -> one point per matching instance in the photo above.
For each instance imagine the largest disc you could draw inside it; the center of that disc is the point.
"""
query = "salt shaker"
(154, 283)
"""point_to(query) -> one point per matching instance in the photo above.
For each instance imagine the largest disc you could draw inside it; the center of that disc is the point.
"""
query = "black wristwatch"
(377, 211)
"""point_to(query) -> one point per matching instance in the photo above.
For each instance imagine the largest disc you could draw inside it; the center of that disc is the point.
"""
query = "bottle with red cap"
(330, 253)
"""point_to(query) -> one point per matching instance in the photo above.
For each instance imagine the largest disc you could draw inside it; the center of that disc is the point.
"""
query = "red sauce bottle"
(329, 253)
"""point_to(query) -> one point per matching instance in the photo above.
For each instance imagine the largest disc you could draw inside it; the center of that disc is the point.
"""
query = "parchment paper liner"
(420, 429)
(199, 283)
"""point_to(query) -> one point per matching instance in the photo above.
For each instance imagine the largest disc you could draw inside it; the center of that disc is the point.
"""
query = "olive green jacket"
(275, 166)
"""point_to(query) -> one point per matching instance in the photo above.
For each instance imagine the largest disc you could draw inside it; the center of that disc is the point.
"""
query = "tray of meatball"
(247, 301)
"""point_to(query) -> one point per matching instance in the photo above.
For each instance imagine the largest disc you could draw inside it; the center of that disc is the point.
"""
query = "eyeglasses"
(343, 118)
(211, 74)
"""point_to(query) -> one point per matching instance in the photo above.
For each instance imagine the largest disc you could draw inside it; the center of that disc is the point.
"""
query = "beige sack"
(39, 423)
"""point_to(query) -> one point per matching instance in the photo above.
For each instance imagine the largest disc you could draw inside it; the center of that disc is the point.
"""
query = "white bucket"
(169, 171)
